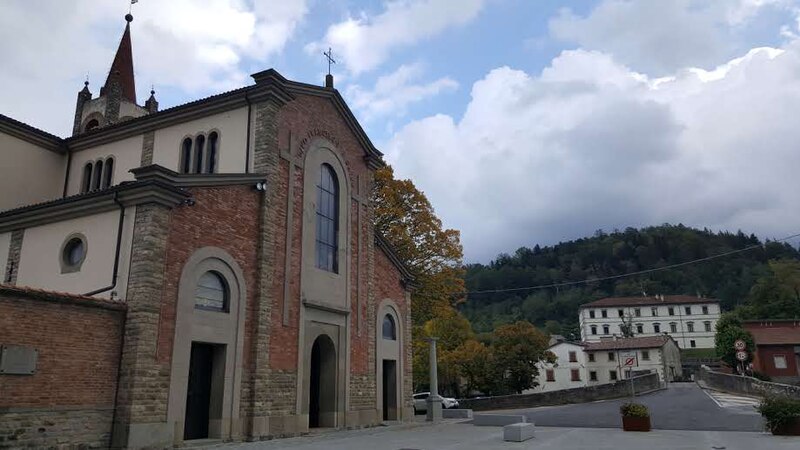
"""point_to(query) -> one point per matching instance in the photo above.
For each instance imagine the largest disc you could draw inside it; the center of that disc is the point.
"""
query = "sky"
(524, 121)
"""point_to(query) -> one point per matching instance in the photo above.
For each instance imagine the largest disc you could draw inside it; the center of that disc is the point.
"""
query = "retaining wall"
(744, 385)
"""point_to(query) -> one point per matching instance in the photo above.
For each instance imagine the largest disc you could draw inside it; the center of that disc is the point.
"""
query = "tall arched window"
(389, 329)
(211, 292)
(86, 185)
(199, 143)
(97, 174)
(186, 156)
(108, 173)
(327, 219)
(211, 165)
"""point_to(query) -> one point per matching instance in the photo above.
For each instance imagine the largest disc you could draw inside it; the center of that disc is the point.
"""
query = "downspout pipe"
(117, 252)
(247, 144)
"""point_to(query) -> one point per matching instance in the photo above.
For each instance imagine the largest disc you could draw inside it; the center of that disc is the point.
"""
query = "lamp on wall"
(261, 186)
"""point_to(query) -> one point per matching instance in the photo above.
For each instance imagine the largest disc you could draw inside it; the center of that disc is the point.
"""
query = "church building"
(206, 271)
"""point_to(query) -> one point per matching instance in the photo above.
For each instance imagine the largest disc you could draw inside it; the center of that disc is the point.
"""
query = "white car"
(421, 402)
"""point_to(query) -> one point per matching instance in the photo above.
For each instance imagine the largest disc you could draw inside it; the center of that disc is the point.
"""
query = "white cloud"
(590, 144)
(194, 46)
(659, 37)
(393, 93)
(365, 42)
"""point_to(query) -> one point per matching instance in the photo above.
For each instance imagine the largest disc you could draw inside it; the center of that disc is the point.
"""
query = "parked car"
(421, 402)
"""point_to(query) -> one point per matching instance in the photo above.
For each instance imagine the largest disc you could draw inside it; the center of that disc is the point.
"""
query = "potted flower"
(635, 417)
(781, 415)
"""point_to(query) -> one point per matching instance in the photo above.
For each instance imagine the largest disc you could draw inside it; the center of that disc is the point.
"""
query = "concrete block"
(497, 420)
(457, 413)
(518, 432)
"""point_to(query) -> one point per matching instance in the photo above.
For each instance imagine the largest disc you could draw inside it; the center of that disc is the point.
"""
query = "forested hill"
(728, 279)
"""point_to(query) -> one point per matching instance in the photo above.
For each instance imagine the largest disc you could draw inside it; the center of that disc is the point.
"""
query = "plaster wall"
(562, 369)
(127, 155)
(21, 161)
(231, 127)
(40, 258)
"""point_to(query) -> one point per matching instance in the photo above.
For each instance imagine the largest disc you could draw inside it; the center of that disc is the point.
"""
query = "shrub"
(634, 410)
(761, 376)
(779, 410)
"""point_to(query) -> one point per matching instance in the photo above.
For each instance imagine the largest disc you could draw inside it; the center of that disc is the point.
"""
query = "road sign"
(741, 355)
(628, 359)
(739, 345)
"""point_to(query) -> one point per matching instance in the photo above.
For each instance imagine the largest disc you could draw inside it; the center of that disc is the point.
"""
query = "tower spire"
(122, 68)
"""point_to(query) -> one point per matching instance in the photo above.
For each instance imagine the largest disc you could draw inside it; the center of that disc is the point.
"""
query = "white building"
(569, 370)
(689, 320)
(605, 360)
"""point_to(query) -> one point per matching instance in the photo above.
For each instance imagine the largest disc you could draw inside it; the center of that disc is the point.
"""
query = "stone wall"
(744, 385)
(622, 388)
(69, 399)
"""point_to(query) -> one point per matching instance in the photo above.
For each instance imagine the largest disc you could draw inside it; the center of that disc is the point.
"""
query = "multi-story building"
(689, 320)
(567, 372)
(605, 359)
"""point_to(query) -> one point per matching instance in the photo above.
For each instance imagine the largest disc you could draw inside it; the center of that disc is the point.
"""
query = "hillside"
(728, 279)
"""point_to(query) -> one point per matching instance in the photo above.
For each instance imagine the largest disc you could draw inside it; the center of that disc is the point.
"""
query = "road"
(683, 406)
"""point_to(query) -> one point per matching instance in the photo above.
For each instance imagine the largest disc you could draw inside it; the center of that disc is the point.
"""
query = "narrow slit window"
(108, 173)
(97, 175)
(213, 142)
(86, 186)
(199, 143)
(186, 156)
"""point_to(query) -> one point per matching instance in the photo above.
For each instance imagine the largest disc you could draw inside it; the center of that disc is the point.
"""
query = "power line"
(629, 274)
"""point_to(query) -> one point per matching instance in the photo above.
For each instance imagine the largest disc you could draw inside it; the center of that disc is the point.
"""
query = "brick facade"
(70, 397)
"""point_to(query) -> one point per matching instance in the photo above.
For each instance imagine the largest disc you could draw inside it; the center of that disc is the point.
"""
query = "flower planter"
(635, 423)
(790, 429)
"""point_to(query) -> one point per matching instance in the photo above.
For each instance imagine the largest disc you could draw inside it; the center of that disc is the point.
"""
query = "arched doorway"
(322, 398)
(388, 363)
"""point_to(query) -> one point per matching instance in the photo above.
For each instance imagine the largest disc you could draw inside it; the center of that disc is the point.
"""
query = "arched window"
(327, 220)
(86, 185)
(389, 329)
(211, 292)
(108, 173)
(186, 156)
(213, 140)
(97, 175)
(199, 143)
(91, 125)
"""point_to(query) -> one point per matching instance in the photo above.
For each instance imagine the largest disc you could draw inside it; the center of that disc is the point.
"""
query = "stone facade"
(14, 249)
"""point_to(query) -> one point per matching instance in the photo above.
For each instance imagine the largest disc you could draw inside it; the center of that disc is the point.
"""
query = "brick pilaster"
(14, 252)
(147, 148)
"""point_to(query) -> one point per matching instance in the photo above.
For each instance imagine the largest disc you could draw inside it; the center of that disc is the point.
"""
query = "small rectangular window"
(705, 309)
(594, 329)
(640, 328)
(612, 375)
(604, 313)
(690, 327)
(673, 327)
(780, 361)
(692, 343)
(637, 312)
(621, 313)
(591, 314)
(591, 357)
(656, 328)
(707, 326)
(575, 375)
(611, 356)
(688, 310)
(573, 357)
(654, 312)
(605, 329)
(551, 375)
(671, 311)
(645, 355)
(592, 375)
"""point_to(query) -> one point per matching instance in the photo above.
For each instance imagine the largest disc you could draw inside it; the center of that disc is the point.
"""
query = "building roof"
(649, 301)
(629, 343)
(774, 332)
(122, 67)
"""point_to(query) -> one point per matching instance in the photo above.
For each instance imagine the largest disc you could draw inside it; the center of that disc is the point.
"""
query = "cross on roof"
(329, 55)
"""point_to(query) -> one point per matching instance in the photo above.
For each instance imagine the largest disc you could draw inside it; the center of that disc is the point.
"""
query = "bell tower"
(117, 99)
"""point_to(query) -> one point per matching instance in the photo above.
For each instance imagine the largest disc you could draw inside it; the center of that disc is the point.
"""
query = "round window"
(74, 253)
(212, 292)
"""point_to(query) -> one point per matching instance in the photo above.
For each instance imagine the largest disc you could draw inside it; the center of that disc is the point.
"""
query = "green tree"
(517, 348)
(729, 330)
(476, 365)
(776, 295)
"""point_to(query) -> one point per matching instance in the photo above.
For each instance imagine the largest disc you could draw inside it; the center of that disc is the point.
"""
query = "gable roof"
(33, 135)
(783, 332)
(649, 301)
(629, 343)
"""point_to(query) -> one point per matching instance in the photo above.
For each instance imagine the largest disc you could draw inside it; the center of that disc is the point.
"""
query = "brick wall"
(69, 399)
(619, 389)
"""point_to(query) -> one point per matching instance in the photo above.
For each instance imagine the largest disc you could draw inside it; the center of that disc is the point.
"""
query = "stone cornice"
(156, 172)
(129, 194)
(30, 134)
